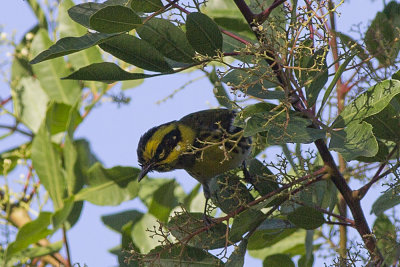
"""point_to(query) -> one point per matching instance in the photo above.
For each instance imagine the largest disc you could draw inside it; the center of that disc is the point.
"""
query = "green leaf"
(380, 156)
(387, 122)
(228, 193)
(245, 222)
(354, 137)
(47, 163)
(354, 141)
(168, 39)
(333, 83)
(287, 241)
(106, 72)
(13, 154)
(237, 257)
(30, 102)
(388, 200)
(281, 129)
(253, 83)
(203, 34)
(48, 73)
(147, 188)
(178, 254)
(35, 252)
(233, 45)
(385, 233)
(70, 45)
(81, 13)
(317, 78)
(146, 6)
(263, 179)
(191, 196)
(182, 225)
(66, 28)
(110, 186)
(306, 217)
(278, 260)
(30, 233)
(266, 238)
(70, 158)
(142, 238)
(304, 262)
(219, 91)
(61, 215)
(116, 221)
(114, 19)
(136, 52)
(381, 35)
(163, 201)
(58, 116)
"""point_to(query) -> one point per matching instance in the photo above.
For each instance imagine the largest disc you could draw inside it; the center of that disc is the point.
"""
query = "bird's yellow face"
(159, 148)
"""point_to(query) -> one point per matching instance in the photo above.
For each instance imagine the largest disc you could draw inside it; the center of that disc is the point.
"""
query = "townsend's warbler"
(204, 143)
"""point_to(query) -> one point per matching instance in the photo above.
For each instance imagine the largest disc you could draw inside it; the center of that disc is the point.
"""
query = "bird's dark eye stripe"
(168, 143)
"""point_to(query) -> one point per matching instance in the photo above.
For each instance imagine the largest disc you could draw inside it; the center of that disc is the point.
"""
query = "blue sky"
(114, 131)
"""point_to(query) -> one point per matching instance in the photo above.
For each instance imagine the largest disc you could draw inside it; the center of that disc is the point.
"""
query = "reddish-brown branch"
(336, 175)
(263, 16)
(361, 192)
(318, 174)
(5, 101)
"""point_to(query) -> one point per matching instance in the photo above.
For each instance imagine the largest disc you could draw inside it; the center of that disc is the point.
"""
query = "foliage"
(270, 60)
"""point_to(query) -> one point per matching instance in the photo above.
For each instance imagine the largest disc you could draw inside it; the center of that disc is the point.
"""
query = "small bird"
(204, 143)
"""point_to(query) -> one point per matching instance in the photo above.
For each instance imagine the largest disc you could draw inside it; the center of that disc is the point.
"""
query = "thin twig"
(361, 192)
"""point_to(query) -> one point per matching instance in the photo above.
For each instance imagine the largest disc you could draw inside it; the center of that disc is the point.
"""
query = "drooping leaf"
(106, 72)
(47, 163)
(30, 102)
(136, 52)
(109, 186)
(168, 39)
(70, 45)
(306, 217)
(203, 34)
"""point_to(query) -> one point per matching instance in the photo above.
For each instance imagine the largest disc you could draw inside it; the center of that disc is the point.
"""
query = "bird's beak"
(144, 171)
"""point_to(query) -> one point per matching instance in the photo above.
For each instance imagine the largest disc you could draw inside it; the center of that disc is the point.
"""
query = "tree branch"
(336, 176)
(263, 16)
(362, 191)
